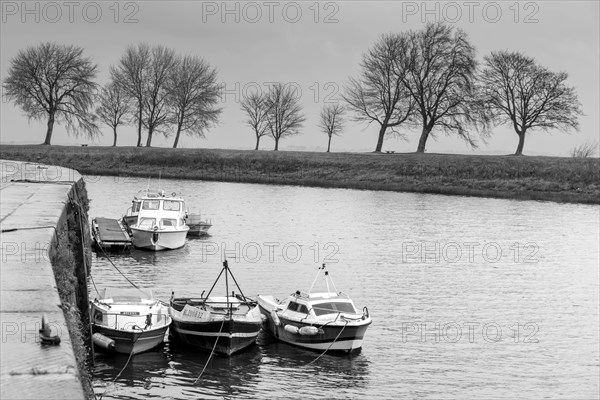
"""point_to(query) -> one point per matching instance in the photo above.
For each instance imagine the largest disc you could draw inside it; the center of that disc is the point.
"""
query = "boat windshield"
(171, 205)
(146, 223)
(168, 222)
(333, 308)
(301, 308)
(150, 205)
(136, 206)
(126, 294)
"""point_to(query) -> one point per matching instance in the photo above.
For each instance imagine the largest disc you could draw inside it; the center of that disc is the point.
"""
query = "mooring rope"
(125, 366)
(28, 228)
(211, 353)
(118, 270)
(327, 349)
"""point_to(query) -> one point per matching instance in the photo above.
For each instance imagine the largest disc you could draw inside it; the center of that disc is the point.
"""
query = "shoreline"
(556, 179)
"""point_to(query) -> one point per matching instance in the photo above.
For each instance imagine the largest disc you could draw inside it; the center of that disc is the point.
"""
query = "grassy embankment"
(529, 178)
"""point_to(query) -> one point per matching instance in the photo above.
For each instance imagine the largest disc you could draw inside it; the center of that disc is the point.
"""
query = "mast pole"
(226, 268)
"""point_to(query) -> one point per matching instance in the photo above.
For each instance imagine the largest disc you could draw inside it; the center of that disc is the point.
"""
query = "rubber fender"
(275, 318)
(103, 341)
(291, 329)
(308, 330)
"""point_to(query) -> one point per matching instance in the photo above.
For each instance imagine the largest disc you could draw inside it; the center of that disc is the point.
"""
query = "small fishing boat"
(224, 325)
(316, 320)
(198, 226)
(128, 322)
(160, 223)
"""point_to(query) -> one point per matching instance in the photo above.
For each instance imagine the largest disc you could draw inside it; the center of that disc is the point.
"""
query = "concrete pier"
(33, 200)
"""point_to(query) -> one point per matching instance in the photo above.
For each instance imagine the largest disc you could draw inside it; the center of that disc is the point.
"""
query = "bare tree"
(130, 75)
(156, 91)
(255, 107)
(193, 93)
(284, 116)
(440, 79)
(113, 108)
(379, 94)
(331, 121)
(54, 82)
(519, 92)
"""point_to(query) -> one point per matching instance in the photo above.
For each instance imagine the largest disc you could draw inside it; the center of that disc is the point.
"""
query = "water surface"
(470, 297)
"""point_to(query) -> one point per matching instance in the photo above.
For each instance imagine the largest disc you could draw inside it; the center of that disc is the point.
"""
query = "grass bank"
(529, 178)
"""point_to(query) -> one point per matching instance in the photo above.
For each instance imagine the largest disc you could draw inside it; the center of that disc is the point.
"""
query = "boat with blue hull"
(324, 321)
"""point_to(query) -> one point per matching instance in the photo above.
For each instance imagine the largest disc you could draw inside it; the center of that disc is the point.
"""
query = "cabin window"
(301, 308)
(147, 223)
(168, 222)
(170, 205)
(333, 308)
(150, 205)
(136, 207)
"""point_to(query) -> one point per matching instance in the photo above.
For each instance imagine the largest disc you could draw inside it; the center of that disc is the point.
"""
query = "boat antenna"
(316, 277)
(327, 279)
(148, 187)
(159, 175)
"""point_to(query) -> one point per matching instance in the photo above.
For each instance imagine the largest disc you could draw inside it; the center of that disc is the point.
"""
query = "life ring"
(174, 194)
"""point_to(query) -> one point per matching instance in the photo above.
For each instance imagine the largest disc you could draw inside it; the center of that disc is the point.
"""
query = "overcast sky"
(315, 45)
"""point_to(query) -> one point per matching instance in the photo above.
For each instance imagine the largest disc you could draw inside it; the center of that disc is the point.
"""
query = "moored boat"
(198, 226)
(224, 324)
(316, 320)
(128, 322)
(160, 223)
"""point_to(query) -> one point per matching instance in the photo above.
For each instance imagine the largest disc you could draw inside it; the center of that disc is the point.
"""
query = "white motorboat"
(128, 322)
(316, 320)
(160, 222)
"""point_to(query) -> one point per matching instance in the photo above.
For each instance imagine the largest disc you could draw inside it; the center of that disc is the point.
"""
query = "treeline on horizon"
(427, 80)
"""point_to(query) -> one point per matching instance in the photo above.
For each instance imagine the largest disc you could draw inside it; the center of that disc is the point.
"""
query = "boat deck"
(110, 233)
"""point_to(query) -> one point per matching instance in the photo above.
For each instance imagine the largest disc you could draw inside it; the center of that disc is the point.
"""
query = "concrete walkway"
(33, 196)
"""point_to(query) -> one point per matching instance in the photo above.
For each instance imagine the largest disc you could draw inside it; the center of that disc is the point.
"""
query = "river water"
(469, 297)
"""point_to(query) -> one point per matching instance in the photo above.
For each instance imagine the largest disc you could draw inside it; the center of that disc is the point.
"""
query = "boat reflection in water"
(295, 369)
(171, 371)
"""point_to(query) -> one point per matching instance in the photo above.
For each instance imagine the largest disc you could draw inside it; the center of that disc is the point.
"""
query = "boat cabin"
(320, 304)
(157, 212)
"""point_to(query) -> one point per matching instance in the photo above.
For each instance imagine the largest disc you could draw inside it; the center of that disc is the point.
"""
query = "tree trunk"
(380, 139)
(276, 144)
(423, 140)
(139, 142)
(149, 141)
(329, 144)
(177, 136)
(519, 151)
(257, 142)
(115, 136)
(50, 128)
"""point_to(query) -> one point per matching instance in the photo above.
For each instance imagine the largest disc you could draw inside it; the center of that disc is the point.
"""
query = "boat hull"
(158, 240)
(198, 229)
(230, 335)
(133, 342)
(334, 337)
